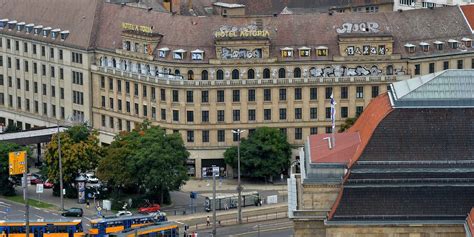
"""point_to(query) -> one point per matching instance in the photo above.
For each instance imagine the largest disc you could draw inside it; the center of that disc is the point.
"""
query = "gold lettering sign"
(133, 27)
(243, 32)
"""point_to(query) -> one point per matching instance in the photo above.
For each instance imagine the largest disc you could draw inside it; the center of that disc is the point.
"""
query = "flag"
(333, 112)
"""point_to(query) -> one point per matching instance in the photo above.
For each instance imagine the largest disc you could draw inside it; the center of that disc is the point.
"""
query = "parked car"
(35, 178)
(75, 211)
(48, 184)
(149, 208)
(91, 178)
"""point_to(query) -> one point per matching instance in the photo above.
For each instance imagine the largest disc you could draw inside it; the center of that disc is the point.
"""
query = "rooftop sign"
(364, 27)
(138, 28)
(250, 31)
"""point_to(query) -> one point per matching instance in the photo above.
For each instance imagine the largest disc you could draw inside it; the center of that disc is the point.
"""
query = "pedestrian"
(208, 220)
(87, 204)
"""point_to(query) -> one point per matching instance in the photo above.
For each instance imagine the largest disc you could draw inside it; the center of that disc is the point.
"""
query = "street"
(276, 228)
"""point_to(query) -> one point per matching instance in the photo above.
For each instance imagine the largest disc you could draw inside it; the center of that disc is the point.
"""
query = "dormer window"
(3, 23)
(454, 44)
(29, 28)
(37, 29)
(287, 52)
(322, 51)
(179, 54)
(410, 47)
(64, 34)
(438, 44)
(163, 52)
(467, 42)
(20, 26)
(11, 25)
(425, 47)
(197, 54)
(304, 52)
(55, 33)
(46, 31)
(127, 45)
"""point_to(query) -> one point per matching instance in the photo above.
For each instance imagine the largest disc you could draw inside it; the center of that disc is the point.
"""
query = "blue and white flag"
(333, 112)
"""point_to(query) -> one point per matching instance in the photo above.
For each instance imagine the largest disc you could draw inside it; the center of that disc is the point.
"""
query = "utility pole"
(27, 205)
(214, 231)
(239, 186)
(61, 188)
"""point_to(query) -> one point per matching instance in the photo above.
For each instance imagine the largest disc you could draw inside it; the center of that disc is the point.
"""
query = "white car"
(123, 213)
(91, 178)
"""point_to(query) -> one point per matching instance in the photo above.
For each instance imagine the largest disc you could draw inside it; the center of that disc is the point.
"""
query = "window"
(344, 112)
(313, 113)
(127, 106)
(344, 92)
(298, 113)
(205, 135)
(431, 68)
(205, 116)
(25, 47)
(61, 73)
(18, 83)
(328, 92)
(176, 115)
(111, 84)
(36, 107)
(60, 54)
(297, 73)
(76, 57)
(284, 131)
(359, 110)
(313, 130)
(281, 73)
(162, 95)
(34, 48)
(204, 75)
(77, 78)
(43, 70)
(359, 92)
(43, 51)
(27, 103)
(282, 114)
(18, 102)
(190, 136)
(135, 89)
(460, 64)
(298, 133)
(17, 64)
(10, 82)
(175, 96)
(251, 74)
(190, 116)
(51, 52)
(77, 97)
(236, 115)
(287, 52)
(61, 90)
(220, 75)
(27, 84)
(235, 74)
(298, 94)
(190, 75)
(137, 111)
(204, 96)
(445, 65)
(267, 94)
(53, 91)
(220, 96)
(52, 72)
(313, 93)
(111, 103)
(44, 89)
(221, 135)
(119, 104)
(251, 114)
(189, 96)
(251, 95)
(472, 63)
(329, 129)
(407, 2)
(45, 109)
(220, 116)
(321, 51)
(111, 122)
(8, 44)
(417, 69)
(163, 114)
(375, 91)
(266, 73)
(235, 137)
(236, 95)
(328, 112)
(282, 94)
(267, 114)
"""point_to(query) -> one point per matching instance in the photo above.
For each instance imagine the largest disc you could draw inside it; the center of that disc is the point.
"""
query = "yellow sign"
(242, 33)
(130, 26)
(17, 162)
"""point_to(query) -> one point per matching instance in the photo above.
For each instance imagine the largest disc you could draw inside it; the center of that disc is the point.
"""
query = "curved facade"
(204, 76)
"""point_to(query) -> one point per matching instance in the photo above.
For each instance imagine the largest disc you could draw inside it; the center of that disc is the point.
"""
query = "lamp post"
(239, 187)
(60, 171)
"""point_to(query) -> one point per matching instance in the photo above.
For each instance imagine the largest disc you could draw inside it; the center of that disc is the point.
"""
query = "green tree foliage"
(347, 124)
(266, 153)
(12, 128)
(6, 186)
(80, 152)
(148, 158)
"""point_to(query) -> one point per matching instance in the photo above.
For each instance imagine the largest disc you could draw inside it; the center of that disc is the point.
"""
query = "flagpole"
(333, 121)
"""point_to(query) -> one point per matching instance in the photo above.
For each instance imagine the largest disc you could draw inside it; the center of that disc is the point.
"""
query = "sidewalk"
(230, 185)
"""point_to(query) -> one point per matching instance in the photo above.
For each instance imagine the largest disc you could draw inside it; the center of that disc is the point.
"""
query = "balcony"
(172, 80)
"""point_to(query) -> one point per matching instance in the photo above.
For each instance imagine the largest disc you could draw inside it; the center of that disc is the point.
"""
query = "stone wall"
(393, 231)
(318, 196)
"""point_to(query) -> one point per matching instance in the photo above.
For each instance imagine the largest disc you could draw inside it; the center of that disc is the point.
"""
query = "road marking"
(56, 214)
(180, 222)
(87, 218)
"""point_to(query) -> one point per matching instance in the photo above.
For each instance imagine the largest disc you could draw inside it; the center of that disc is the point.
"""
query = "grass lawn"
(32, 202)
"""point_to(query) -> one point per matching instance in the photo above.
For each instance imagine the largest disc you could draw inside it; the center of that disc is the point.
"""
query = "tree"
(6, 182)
(148, 158)
(12, 128)
(80, 152)
(348, 123)
(265, 153)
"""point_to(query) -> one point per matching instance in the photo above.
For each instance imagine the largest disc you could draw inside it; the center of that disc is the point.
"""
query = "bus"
(103, 226)
(163, 229)
(228, 201)
(62, 228)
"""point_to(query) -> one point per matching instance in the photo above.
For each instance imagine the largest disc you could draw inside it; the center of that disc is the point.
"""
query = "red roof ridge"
(368, 121)
(470, 221)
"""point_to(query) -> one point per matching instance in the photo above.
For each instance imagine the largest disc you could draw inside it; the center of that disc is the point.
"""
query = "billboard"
(17, 162)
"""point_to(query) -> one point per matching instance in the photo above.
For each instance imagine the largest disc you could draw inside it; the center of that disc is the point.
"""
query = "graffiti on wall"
(341, 71)
(364, 27)
(240, 53)
(366, 50)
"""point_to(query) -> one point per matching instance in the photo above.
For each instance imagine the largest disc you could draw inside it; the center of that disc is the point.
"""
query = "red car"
(35, 179)
(48, 184)
(149, 208)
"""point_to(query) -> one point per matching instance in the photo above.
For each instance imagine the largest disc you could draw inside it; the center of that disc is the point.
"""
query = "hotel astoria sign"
(249, 31)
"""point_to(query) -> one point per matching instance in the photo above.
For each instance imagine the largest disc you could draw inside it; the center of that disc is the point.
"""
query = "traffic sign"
(39, 188)
(17, 161)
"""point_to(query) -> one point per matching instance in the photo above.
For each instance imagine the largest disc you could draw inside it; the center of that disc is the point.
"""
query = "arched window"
(190, 75)
(281, 73)
(114, 63)
(389, 70)
(266, 73)
(297, 73)
(251, 74)
(220, 74)
(204, 75)
(235, 74)
(177, 72)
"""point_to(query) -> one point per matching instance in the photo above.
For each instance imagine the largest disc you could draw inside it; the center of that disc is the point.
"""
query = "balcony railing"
(178, 81)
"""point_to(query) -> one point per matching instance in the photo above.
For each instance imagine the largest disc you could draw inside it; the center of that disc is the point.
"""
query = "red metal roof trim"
(468, 11)
(470, 222)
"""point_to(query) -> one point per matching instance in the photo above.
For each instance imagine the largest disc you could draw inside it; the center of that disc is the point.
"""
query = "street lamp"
(239, 187)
